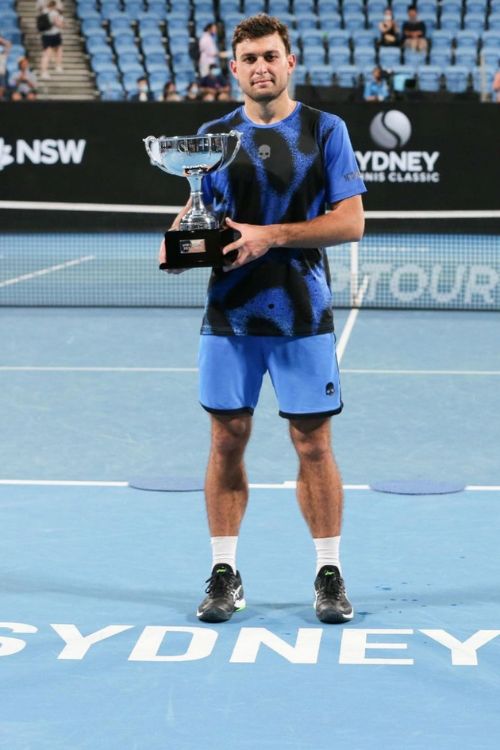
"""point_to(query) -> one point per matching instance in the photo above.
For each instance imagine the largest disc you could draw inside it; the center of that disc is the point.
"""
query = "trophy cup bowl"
(200, 240)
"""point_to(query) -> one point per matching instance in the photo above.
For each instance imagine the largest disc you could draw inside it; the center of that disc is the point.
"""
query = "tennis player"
(270, 310)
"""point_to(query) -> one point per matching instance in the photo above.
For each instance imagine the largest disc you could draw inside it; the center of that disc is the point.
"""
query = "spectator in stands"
(23, 83)
(376, 90)
(170, 93)
(496, 87)
(414, 32)
(214, 82)
(143, 93)
(389, 32)
(5, 46)
(52, 42)
(209, 53)
(193, 93)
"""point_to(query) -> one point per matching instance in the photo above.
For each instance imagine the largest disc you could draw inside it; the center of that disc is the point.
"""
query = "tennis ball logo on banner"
(391, 130)
(45, 151)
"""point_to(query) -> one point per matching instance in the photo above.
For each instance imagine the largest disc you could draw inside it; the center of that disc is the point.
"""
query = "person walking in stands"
(52, 42)
(270, 309)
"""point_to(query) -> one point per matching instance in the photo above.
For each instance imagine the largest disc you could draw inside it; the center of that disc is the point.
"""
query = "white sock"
(224, 550)
(327, 552)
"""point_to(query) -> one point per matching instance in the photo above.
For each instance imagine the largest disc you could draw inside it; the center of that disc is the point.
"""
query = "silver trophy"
(200, 239)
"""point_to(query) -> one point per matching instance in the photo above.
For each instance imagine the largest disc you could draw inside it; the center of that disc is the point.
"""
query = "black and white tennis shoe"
(225, 595)
(331, 603)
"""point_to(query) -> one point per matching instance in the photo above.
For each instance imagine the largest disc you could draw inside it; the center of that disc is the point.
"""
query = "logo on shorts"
(330, 389)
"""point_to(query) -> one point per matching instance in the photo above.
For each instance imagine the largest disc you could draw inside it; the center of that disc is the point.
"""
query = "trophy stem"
(197, 217)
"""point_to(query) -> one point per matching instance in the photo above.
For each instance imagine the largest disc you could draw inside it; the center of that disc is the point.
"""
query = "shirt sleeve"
(342, 176)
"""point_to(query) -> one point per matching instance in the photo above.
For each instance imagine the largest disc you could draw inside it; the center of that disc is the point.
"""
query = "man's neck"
(267, 113)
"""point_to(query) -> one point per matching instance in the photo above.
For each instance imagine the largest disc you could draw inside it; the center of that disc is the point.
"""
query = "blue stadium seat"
(429, 78)
(124, 43)
(354, 22)
(494, 21)
(321, 75)
(442, 39)
(477, 6)
(365, 38)
(232, 19)
(457, 78)
(450, 20)
(400, 9)
(430, 20)
(204, 6)
(364, 56)
(152, 44)
(376, 7)
(453, 6)
(87, 10)
(119, 25)
(95, 45)
(92, 26)
(439, 57)
(416, 59)
(179, 45)
(130, 83)
(353, 7)
(133, 8)
(491, 58)
(99, 65)
(306, 20)
(491, 40)
(155, 60)
(133, 68)
(347, 76)
(108, 81)
(474, 22)
(300, 75)
(389, 57)
(312, 37)
(329, 21)
(467, 39)
(467, 58)
(252, 7)
(428, 6)
(325, 6)
(148, 26)
(109, 7)
(157, 80)
(338, 38)
(182, 59)
(277, 7)
(339, 56)
(314, 56)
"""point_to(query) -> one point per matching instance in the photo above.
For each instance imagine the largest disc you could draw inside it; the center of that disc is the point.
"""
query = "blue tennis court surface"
(99, 642)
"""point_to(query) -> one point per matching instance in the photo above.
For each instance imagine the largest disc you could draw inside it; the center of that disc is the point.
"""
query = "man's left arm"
(343, 223)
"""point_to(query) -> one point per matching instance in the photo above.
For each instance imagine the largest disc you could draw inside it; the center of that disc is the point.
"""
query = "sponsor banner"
(413, 156)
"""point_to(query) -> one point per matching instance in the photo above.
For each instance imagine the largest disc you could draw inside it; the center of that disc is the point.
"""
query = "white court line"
(344, 370)
(287, 485)
(154, 209)
(351, 320)
(29, 368)
(49, 269)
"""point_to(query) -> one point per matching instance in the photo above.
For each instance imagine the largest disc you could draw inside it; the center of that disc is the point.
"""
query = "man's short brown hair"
(258, 26)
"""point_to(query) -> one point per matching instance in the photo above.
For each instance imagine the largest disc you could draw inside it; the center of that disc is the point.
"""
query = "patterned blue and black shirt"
(289, 171)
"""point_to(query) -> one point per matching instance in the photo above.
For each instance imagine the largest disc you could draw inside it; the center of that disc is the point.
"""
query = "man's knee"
(230, 434)
(311, 439)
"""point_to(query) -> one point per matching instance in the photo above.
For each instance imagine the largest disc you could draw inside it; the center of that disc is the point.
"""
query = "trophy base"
(195, 248)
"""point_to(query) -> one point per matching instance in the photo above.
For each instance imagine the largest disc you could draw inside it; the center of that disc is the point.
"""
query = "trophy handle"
(237, 135)
(148, 142)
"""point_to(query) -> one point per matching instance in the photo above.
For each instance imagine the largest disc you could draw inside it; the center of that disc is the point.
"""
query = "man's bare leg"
(226, 494)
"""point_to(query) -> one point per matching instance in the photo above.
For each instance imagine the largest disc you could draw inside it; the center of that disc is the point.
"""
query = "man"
(23, 83)
(414, 32)
(52, 42)
(143, 93)
(270, 308)
(377, 89)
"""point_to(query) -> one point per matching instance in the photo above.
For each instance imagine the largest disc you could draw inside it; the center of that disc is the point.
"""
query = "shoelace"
(332, 585)
(220, 584)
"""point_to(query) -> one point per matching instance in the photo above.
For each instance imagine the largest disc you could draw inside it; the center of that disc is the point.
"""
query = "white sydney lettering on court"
(359, 646)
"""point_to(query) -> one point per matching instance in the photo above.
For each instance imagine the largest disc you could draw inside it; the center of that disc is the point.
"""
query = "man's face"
(262, 67)
(412, 15)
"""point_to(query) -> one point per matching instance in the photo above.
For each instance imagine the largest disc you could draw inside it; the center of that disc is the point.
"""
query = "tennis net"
(404, 261)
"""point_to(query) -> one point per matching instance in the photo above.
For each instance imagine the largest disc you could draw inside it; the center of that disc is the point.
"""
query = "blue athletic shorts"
(303, 370)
